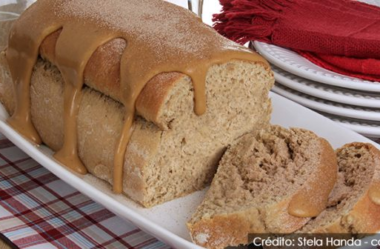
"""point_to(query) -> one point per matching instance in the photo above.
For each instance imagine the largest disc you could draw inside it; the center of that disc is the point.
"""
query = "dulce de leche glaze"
(160, 37)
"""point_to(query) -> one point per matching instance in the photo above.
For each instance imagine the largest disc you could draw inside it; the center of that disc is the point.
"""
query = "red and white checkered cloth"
(38, 210)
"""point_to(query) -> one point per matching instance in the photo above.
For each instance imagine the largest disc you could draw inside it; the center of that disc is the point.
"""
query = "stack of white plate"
(352, 102)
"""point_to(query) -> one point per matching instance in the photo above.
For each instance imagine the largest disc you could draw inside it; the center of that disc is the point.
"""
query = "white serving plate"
(327, 92)
(296, 64)
(373, 2)
(366, 128)
(328, 106)
(167, 221)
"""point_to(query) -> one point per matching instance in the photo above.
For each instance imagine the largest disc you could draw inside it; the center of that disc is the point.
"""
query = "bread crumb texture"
(349, 208)
(251, 191)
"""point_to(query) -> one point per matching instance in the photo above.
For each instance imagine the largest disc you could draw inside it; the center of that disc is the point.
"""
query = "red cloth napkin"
(337, 34)
(367, 69)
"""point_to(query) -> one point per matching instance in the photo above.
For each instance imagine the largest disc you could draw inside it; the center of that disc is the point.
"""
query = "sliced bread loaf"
(354, 204)
(270, 183)
(172, 151)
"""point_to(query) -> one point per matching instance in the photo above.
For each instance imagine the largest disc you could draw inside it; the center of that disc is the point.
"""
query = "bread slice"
(172, 151)
(353, 206)
(257, 182)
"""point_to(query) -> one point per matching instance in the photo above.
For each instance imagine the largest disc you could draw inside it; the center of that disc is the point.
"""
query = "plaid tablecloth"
(38, 210)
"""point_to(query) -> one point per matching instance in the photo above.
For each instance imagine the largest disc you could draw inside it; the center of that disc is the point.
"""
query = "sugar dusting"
(202, 238)
(143, 19)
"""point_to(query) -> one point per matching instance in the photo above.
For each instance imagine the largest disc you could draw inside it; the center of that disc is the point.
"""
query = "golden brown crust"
(376, 177)
(273, 218)
(361, 219)
(6, 86)
(233, 229)
(102, 73)
(364, 215)
(150, 103)
(101, 76)
(319, 185)
(278, 219)
(134, 184)
(226, 229)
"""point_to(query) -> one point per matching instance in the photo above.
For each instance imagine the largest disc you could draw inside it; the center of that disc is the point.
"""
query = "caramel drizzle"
(139, 63)
(72, 60)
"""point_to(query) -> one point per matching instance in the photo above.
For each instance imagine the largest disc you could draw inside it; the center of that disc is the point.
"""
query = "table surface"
(12, 8)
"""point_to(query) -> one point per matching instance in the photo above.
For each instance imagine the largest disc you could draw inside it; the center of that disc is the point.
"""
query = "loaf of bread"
(354, 204)
(353, 207)
(174, 156)
(270, 183)
(172, 151)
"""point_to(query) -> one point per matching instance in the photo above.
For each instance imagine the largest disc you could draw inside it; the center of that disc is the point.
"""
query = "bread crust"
(269, 219)
(7, 94)
(278, 220)
(151, 148)
(150, 104)
(233, 229)
(102, 73)
(363, 217)
(327, 171)
(226, 229)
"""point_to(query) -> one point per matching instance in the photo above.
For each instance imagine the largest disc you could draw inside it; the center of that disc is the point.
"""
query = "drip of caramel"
(160, 37)
(71, 59)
